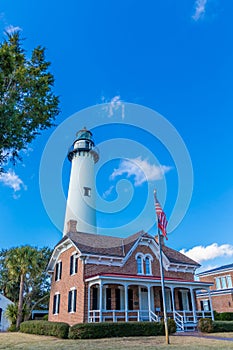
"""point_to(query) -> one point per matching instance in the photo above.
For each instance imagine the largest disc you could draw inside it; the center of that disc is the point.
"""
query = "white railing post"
(101, 301)
(149, 302)
(126, 303)
(211, 306)
(88, 303)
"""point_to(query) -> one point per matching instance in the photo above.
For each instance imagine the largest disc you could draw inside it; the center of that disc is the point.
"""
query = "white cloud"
(12, 180)
(200, 7)
(212, 251)
(141, 170)
(108, 192)
(11, 29)
(115, 104)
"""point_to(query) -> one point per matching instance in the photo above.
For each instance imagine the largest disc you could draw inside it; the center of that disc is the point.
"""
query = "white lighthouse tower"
(81, 195)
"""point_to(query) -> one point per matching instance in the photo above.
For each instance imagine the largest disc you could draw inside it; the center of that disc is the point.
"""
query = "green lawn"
(34, 342)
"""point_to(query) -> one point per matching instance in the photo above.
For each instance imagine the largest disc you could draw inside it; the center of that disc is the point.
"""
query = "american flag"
(162, 220)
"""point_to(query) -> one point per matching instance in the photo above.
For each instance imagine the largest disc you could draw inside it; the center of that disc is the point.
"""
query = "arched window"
(139, 264)
(148, 265)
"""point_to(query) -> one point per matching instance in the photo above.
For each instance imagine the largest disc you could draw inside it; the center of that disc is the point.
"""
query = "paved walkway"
(202, 335)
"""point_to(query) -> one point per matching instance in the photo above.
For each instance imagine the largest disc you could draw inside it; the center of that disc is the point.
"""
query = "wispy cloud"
(108, 192)
(210, 252)
(200, 8)
(141, 170)
(12, 180)
(115, 104)
(11, 29)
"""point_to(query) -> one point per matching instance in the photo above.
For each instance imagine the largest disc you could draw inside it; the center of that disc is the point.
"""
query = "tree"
(24, 268)
(27, 102)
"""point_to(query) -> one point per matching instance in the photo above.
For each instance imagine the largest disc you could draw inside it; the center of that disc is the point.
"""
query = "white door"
(144, 307)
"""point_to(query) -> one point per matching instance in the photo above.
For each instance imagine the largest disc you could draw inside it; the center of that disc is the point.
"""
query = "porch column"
(211, 306)
(101, 300)
(149, 302)
(126, 302)
(88, 303)
(193, 305)
(173, 301)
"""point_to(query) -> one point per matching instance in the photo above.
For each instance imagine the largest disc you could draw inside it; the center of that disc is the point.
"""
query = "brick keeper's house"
(99, 278)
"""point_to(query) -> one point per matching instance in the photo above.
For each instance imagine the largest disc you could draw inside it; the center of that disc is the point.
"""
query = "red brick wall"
(63, 286)
(67, 282)
(221, 302)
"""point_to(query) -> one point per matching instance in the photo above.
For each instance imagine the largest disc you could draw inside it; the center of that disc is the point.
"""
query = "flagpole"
(162, 284)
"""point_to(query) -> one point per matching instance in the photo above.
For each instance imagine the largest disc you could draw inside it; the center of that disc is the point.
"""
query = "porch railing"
(179, 320)
(122, 315)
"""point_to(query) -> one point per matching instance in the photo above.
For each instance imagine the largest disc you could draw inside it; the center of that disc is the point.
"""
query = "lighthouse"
(81, 194)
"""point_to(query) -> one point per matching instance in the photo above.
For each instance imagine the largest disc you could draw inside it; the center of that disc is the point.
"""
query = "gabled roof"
(178, 258)
(89, 243)
(109, 246)
(216, 270)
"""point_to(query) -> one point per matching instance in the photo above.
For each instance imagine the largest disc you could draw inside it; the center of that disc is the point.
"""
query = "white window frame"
(168, 300)
(218, 283)
(75, 259)
(137, 256)
(148, 258)
(229, 281)
(73, 306)
(58, 296)
(59, 272)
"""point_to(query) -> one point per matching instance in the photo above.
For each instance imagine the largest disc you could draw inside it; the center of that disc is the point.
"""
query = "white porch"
(114, 298)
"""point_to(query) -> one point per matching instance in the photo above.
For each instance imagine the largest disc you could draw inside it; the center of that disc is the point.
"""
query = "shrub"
(121, 329)
(57, 329)
(223, 326)
(226, 316)
(216, 315)
(171, 326)
(205, 325)
(45, 317)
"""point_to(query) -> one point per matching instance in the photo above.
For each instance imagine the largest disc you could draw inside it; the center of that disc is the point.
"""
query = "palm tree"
(21, 262)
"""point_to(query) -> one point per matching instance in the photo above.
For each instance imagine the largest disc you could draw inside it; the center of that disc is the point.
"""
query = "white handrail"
(179, 320)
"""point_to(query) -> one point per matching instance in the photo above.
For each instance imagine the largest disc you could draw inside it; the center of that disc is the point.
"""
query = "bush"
(223, 326)
(217, 315)
(56, 329)
(109, 330)
(205, 325)
(226, 316)
(45, 317)
(171, 326)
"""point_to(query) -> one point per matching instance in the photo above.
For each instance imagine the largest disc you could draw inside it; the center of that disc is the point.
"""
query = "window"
(229, 281)
(108, 298)
(56, 304)
(139, 264)
(73, 264)
(218, 283)
(94, 298)
(148, 265)
(205, 305)
(87, 191)
(72, 298)
(118, 298)
(224, 282)
(58, 271)
(168, 300)
(130, 299)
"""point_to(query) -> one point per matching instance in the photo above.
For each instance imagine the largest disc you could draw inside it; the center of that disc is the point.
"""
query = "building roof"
(95, 244)
(217, 269)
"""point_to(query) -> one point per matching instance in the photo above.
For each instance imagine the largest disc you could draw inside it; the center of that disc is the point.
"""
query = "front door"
(144, 307)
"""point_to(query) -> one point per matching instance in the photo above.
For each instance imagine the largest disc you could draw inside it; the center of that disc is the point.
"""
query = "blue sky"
(173, 57)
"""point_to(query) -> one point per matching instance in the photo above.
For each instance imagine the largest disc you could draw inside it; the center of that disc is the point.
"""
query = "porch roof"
(118, 278)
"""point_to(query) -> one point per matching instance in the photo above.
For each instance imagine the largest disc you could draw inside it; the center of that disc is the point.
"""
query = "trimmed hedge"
(223, 316)
(223, 326)
(56, 329)
(206, 325)
(121, 329)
